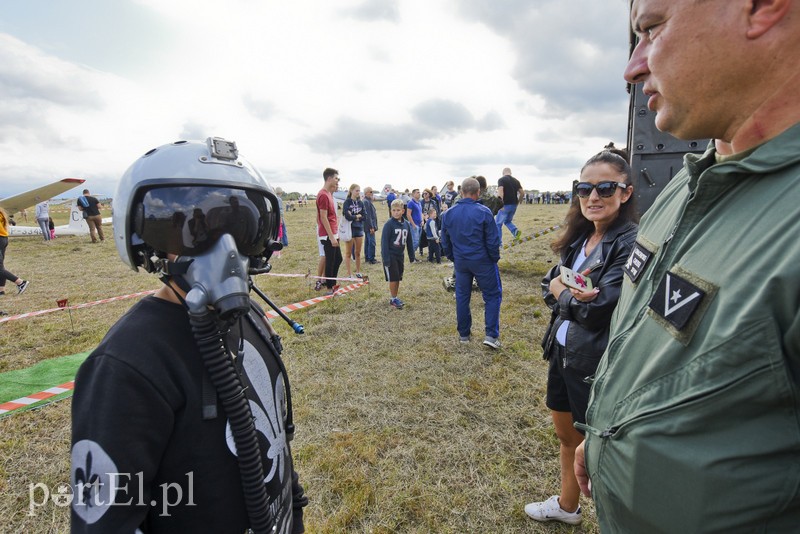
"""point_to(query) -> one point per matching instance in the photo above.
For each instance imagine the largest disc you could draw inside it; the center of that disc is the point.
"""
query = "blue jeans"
(369, 246)
(505, 216)
(488, 278)
(284, 235)
(415, 233)
(44, 226)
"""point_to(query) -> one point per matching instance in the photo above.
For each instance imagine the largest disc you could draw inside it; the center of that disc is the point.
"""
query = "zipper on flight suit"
(665, 245)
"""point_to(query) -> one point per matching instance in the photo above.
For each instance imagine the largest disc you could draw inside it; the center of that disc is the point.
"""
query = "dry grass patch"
(400, 428)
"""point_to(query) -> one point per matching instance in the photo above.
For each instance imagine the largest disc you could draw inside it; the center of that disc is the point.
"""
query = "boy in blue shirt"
(394, 239)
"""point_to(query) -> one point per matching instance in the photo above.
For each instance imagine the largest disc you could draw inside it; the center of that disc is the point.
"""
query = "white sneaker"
(550, 510)
(492, 342)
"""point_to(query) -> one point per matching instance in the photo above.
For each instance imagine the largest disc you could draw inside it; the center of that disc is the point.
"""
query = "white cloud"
(407, 91)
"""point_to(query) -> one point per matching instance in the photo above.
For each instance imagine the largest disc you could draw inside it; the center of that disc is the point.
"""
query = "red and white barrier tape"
(75, 307)
(144, 293)
(68, 386)
(530, 237)
(354, 279)
(310, 302)
(36, 397)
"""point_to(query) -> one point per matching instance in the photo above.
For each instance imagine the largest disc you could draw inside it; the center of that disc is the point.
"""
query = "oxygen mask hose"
(226, 381)
(222, 370)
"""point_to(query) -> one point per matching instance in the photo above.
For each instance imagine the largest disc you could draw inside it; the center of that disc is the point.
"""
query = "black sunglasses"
(604, 189)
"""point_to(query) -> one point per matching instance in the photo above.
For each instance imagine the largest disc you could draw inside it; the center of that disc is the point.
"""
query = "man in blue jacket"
(471, 241)
(370, 226)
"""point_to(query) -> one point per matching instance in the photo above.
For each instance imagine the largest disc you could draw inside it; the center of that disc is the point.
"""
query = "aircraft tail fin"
(76, 221)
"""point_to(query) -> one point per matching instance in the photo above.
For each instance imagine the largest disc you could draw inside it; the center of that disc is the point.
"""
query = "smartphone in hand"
(576, 280)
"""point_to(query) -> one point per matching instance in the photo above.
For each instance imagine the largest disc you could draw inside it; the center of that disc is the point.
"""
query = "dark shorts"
(567, 389)
(394, 271)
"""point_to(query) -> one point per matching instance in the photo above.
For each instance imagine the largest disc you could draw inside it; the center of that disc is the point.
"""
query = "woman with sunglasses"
(600, 229)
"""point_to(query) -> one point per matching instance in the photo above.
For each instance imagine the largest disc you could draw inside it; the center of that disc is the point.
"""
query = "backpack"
(493, 202)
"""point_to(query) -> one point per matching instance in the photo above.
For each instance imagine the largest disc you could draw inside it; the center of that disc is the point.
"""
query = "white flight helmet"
(181, 197)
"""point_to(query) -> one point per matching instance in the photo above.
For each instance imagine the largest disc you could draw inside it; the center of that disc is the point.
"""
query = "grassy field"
(400, 428)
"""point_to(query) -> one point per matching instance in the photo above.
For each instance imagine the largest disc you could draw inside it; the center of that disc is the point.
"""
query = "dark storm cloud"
(570, 53)
(372, 10)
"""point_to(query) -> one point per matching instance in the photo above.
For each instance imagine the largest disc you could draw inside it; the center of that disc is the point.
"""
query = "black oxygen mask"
(218, 278)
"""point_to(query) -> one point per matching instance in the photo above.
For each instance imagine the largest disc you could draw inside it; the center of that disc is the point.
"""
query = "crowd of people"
(673, 347)
(548, 197)
(418, 220)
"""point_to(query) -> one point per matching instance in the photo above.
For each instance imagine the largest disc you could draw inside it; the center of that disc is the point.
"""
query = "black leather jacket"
(587, 334)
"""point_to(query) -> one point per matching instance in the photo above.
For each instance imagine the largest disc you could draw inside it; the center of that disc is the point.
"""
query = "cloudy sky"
(407, 92)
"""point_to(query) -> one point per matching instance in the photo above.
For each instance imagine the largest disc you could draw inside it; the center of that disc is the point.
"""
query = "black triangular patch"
(676, 300)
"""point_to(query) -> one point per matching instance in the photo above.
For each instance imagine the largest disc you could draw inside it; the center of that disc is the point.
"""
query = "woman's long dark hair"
(575, 224)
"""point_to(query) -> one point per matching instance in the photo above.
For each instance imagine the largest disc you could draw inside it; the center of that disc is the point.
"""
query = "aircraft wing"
(34, 196)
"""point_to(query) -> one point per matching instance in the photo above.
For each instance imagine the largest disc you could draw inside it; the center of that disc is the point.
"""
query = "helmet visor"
(187, 220)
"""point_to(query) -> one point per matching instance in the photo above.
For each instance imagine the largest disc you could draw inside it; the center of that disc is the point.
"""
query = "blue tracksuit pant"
(489, 281)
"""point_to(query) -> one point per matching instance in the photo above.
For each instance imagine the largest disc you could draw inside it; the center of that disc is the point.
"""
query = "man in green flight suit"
(694, 420)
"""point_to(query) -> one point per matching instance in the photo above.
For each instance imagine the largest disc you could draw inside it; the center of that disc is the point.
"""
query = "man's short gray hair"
(470, 186)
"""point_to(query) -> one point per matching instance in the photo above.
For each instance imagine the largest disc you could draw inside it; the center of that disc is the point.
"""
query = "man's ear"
(765, 14)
